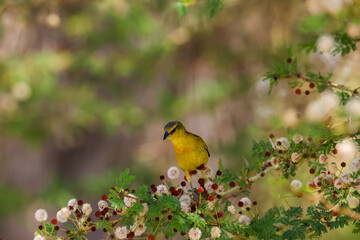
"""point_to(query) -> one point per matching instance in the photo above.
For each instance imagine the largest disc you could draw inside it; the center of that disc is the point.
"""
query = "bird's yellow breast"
(190, 151)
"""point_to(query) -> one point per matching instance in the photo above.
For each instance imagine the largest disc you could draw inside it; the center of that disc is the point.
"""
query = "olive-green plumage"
(190, 150)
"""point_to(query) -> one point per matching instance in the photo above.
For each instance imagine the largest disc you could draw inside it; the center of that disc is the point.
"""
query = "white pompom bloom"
(355, 165)
(243, 219)
(185, 199)
(63, 214)
(215, 232)
(295, 157)
(220, 189)
(102, 204)
(211, 205)
(209, 173)
(195, 233)
(322, 159)
(129, 200)
(246, 201)
(297, 138)
(318, 181)
(353, 202)
(231, 209)
(173, 173)
(146, 208)
(346, 177)
(284, 143)
(121, 232)
(274, 161)
(333, 168)
(73, 204)
(325, 43)
(140, 230)
(338, 183)
(208, 187)
(162, 189)
(41, 215)
(296, 185)
(39, 237)
(87, 209)
(184, 207)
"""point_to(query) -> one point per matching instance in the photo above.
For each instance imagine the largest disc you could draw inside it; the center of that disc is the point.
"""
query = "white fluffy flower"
(322, 159)
(209, 173)
(146, 208)
(130, 200)
(338, 183)
(39, 237)
(274, 161)
(333, 168)
(355, 165)
(211, 205)
(173, 173)
(220, 189)
(162, 189)
(325, 43)
(194, 234)
(184, 207)
(73, 204)
(215, 232)
(353, 202)
(41, 215)
(296, 185)
(87, 209)
(353, 107)
(102, 204)
(63, 214)
(243, 219)
(318, 181)
(208, 187)
(121, 232)
(185, 199)
(346, 177)
(284, 143)
(140, 230)
(297, 138)
(246, 201)
(231, 209)
(295, 157)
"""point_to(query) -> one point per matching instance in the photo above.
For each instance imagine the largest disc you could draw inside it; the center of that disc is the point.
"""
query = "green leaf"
(125, 179)
(314, 23)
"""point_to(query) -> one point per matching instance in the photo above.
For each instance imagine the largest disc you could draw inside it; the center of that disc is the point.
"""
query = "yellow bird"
(190, 150)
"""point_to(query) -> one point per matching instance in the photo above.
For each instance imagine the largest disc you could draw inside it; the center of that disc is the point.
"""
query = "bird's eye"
(172, 131)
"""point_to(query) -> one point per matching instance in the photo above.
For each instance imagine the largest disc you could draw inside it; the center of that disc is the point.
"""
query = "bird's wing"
(203, 143)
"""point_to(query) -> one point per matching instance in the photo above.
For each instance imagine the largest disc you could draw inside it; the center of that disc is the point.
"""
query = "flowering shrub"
(217, 204)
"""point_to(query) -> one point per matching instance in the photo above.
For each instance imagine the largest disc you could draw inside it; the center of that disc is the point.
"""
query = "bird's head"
(173, 129)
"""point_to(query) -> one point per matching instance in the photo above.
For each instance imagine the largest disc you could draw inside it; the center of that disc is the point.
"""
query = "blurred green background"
(86, 87)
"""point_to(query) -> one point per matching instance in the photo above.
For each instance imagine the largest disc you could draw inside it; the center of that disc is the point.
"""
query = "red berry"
(220, 214)
(232, 184)
(240, 204)
(151, 237)
(218, 173)
(254, 203)
(335, 151)
(156, 218)
(97, 214)
(93, 228)
(80, 202)
(267, 154)
(201, 181)
(172, 188)
(104, 197)
(307, 92)
(41, 227)
(343, 164)
(57, 228)
(311, 85)
(289, 60)
(169, 217)
(68, 231)
(54, 221)
(334, 213)
(200, 189)
(298, 91)
(211, 198)
(183, 183)
(214, 186)
(299, 195)
(312, 171)
(162, 177)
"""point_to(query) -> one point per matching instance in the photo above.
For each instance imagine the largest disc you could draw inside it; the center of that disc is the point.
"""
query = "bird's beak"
(166, 134)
